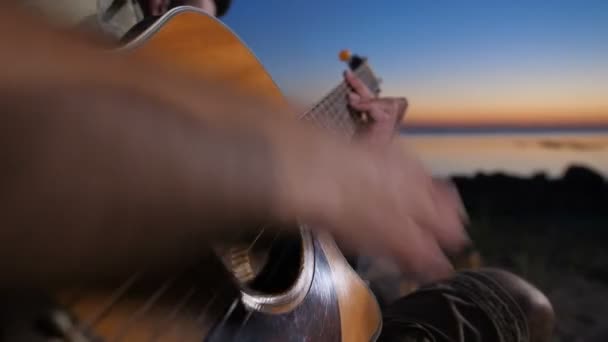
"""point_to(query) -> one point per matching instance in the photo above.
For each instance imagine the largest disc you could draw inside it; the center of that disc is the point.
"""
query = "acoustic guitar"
(273, 286)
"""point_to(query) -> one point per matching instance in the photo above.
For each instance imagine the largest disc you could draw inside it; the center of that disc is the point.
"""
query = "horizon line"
(499, 129)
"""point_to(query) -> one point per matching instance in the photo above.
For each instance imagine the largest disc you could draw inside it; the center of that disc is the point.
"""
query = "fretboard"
(333, 112)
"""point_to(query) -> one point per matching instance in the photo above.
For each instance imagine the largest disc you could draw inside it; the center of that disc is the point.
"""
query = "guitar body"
(208, 305)
(189, 41)
(323, 299)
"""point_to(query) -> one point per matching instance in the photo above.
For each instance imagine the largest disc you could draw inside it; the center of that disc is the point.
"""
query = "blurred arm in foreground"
(111, 162)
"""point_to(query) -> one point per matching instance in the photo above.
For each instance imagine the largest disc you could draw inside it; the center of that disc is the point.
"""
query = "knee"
(535, 305)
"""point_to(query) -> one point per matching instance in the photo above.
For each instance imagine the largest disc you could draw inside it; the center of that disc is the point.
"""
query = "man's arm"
(110, 163)
(105, 154)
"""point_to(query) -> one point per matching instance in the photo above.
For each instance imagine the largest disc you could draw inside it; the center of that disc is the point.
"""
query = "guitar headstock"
(360, 66)
(353, 61)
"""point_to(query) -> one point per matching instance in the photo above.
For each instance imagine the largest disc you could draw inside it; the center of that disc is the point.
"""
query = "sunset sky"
(458, 62)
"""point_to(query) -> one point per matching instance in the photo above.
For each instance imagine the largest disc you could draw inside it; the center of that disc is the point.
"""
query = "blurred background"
(508, 99)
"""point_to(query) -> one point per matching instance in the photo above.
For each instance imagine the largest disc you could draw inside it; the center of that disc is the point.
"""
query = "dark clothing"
(470, 306)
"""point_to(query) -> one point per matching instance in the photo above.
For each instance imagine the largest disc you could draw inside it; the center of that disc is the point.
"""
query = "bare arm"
(110, 163)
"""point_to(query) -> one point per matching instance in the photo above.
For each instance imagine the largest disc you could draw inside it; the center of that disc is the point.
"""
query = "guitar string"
(121, 291)
(243, 323)
(232, 308)
(334, 102)
(199, 319)
(189, 317)
(339, 93)
(249, 312)
(229, 313)
(190, 294)
(148, 304)
(181, 332)
(363, 72)
(271, 273)
(339, 88)
(158, 332)
(123, 288)
(257, 237)
(105, 309)
(201, 315)
(118, 294)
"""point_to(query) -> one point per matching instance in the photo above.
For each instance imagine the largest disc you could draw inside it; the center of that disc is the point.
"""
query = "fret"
(323, 119)
(333, 113)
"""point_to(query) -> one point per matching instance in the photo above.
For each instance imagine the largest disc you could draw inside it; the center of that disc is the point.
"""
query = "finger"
(432, 213)
(450, 190)
(415, 251)
(401, 106)
(418, 254)
(358, 86)
(373, 107)
(377, 109)
(417, 181)
(451, 233)
(353, 98)
(393, 108)
(438, 214)
(355, 102)
(362, 106)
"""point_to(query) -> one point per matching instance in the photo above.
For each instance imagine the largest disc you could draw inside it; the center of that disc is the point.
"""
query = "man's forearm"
(110, 165)
(123, 176)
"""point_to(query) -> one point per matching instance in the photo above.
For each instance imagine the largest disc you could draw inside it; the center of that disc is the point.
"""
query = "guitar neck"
(333, 112)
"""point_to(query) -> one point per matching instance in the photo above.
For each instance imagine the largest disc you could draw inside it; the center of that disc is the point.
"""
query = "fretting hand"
(385, 113)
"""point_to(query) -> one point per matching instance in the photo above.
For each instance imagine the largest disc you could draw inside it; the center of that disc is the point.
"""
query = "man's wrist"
(309, 173)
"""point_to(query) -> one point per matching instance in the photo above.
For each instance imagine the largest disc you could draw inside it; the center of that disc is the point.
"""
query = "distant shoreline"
(580, 189)
(418, 130)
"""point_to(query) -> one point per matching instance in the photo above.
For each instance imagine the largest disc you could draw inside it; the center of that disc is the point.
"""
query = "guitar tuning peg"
(345, 55)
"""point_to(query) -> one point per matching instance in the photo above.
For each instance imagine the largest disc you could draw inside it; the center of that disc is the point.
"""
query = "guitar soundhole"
(269, 263)
(282, 267)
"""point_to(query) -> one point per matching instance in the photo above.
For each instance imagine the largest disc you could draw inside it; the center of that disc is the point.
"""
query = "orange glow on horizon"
(512, 117)
(509, 106)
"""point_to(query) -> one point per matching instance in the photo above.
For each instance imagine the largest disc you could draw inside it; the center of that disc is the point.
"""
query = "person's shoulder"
(117, 17)
(62, 12)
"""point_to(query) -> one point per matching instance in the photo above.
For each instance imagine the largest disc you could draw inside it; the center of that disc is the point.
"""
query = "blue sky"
(456, 61)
